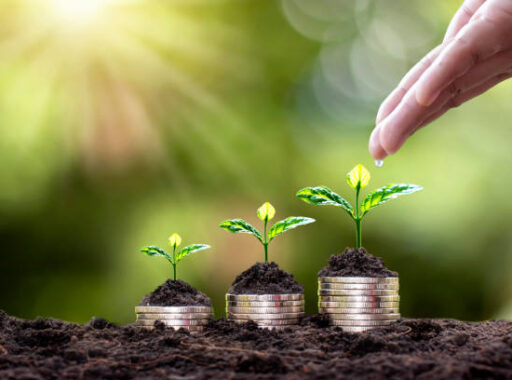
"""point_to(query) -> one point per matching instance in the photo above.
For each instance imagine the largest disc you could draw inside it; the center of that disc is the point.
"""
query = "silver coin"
(337, 322)
(358, 298)
(265, 310)
(173, 309)
(255, 317)
(276, 328)
(265, 297)
(358, 329)
(365, 317)
(192, 329)
(174, 322)
(175, 316)
(358, 304)
(361, 310)
(357, 292)
(335, 286)
(360, 280)
(270, 322)
(265, 303)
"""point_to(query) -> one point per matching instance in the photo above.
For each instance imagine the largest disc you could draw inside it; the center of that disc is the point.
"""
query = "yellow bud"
(175, 240)
(266, 211)
(359, 177)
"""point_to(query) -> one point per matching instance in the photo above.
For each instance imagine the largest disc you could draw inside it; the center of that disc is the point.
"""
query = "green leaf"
(184, 252)
(152, 250)
(386, 193)
(239, 226)
(358, 177)
(288, 224)
(323, 196)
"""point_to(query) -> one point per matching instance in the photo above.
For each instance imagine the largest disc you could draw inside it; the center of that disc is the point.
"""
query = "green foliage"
(265, 213)
(385, 194)
(240, 226)
(153, 250)
(323, 196)
(174, 241)
(288, 224)
(184, 252)
(358, 178)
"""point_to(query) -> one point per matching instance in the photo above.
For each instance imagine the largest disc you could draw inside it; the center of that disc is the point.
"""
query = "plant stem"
(358, 221)
(174, 261)
(265, 242)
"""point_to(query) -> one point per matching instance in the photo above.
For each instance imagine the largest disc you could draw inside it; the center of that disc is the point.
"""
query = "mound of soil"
(409, 349)
(265, 278)
(175, 293)
(356, 262)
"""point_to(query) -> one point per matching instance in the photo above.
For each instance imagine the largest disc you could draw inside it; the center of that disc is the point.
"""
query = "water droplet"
(379, 163)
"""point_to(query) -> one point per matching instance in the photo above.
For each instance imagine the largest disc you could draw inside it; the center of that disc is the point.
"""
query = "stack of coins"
(359, 304)
(271, 311)
(191, 318)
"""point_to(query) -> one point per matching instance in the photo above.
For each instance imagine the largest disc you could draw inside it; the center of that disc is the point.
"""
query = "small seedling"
(265, 213)
(358, 178)
(177, 256)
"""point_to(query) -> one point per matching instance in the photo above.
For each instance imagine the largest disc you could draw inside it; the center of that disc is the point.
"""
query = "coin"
(271, 322)
(356, 292)
(334, 286)
(338, 322)
(265, 310)
(173, 309)
(357, 329)
(255, 317)
(360, 280)
(358, 298)
(365, 317)
(189, 328)
(344, 310)
(175, 316)
(265, 297)
(265, 303)
(173, 322)
(358, 304)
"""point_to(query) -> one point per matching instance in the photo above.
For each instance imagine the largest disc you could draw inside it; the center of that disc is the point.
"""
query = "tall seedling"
(358, 178)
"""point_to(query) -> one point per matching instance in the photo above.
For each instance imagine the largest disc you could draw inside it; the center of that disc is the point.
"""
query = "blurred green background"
(123, 121)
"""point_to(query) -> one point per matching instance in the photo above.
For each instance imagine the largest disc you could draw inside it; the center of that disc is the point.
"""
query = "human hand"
(476, 54)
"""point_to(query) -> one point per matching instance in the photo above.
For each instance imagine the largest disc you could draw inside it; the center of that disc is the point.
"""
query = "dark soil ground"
(175, 293)
(356, 262)
(410, 349)
(265, 278)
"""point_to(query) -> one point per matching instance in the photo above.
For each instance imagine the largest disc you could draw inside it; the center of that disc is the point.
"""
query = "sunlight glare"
(77, 11)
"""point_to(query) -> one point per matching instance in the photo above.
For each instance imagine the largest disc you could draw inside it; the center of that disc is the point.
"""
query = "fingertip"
(388, 140)
(425, 97)
(374, 146)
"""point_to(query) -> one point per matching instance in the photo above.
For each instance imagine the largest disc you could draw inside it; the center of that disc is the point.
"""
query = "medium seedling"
(177, 256)
(358, 178)
(265, 213)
